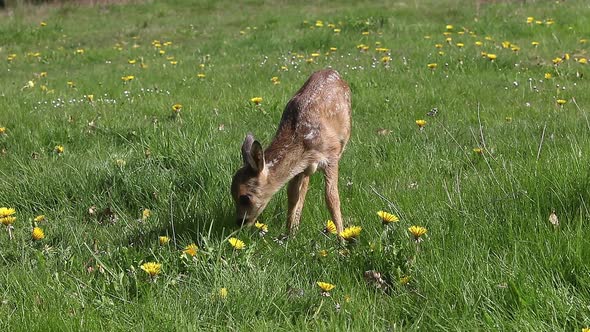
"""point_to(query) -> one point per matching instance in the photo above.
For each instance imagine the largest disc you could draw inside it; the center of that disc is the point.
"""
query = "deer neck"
(284, 160)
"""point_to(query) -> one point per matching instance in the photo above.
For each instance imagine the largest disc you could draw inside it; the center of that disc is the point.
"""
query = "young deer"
(312, 134)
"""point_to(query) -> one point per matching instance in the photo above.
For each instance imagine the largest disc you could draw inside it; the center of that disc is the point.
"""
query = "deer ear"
(247, 147)
(253, 154)
(257, 155)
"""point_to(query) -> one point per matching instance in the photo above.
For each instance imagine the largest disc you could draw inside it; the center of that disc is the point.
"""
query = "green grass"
(490, 260)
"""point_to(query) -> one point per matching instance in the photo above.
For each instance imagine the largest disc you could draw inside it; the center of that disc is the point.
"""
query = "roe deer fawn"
(312, 134)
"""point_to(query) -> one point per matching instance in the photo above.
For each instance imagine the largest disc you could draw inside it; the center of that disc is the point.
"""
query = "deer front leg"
(332, 196)
(296, 195)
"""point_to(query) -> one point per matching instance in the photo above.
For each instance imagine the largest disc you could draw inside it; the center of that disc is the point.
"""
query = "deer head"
(249, 182)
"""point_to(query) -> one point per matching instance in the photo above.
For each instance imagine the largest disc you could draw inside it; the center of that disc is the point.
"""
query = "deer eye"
(244, 200)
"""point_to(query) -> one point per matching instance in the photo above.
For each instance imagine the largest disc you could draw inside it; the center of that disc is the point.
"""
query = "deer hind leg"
(296, 191)
(332, 196)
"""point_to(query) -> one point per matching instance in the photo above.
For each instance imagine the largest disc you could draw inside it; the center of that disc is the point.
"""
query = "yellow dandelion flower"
(460, 45)
(421, 123)
(40, 218)
(80, 51)
(6, 216)
(506, 44)
(90, 98)
(263, 228)
(315, 55)
(59, 149)
(586, 329)
(223, 293)
(581, 41)
(2, 130)
(152, 268)
(404, 280)
(583, 61)
(71, 84)
(7, 221)
(417, 232)
(43, 24)
(37, 234)
(337, 30)
(323, 253)
(333, 49)
(478, 150)
(386, 59)
(237, 244)
(557, 61)
(325, 286)
(146, 213)
(365, 33)
(256, 100)
(438, 45)
(548, 76)
(201, 75)
(530, 20)
(351, 233)
(432, 65)
(5, 212)
(29, 85)
(330, 227)
(191, 249)
(164, 240)
(561, 101)
(491, 56)
(131, 61)
(449, 27)
(127, 78)
(535, 43)
(176, 108)
(387, 217)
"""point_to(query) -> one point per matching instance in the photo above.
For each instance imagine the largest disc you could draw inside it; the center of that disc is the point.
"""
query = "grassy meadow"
(91, 139)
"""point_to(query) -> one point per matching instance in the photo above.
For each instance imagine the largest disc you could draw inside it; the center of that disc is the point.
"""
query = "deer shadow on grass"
(185, 227)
